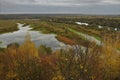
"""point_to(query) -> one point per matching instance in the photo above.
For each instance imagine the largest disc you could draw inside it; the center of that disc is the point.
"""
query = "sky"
(60, 6)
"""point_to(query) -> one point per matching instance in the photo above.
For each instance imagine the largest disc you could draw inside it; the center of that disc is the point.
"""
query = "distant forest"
(93, 20)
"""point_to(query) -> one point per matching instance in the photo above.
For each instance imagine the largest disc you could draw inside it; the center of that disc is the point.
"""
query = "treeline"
(112, 22)
(94, 21)
(26, 62)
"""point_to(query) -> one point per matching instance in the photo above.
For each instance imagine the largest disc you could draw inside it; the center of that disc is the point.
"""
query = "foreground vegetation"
(26, 62)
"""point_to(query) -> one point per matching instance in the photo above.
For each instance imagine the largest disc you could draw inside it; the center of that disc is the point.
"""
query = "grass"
(76, 32)
(79, 33)
(97, 37)
(7, 26)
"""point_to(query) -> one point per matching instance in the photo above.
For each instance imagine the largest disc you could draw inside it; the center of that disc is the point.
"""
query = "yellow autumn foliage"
(11, 75)
(26, 62)
(58, 77)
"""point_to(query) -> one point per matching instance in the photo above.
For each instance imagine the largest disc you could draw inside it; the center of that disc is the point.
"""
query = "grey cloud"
(61, 6)
(61, 2)
(58, 9)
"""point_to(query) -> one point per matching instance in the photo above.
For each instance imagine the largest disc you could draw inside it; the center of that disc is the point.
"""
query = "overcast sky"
(60, 6)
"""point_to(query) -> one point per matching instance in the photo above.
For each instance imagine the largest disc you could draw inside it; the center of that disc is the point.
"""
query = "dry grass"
(65, 40)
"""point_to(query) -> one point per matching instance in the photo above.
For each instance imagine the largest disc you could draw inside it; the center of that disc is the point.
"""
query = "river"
(37, 37)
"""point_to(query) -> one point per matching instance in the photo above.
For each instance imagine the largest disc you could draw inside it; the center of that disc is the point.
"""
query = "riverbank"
(8, 26)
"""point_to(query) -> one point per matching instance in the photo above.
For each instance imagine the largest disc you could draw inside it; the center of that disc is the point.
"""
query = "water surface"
(37, 37)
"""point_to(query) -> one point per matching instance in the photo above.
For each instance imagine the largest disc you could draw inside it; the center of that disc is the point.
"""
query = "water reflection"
(37, 37)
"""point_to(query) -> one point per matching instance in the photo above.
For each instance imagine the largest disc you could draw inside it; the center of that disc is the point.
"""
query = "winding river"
(38, 38)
